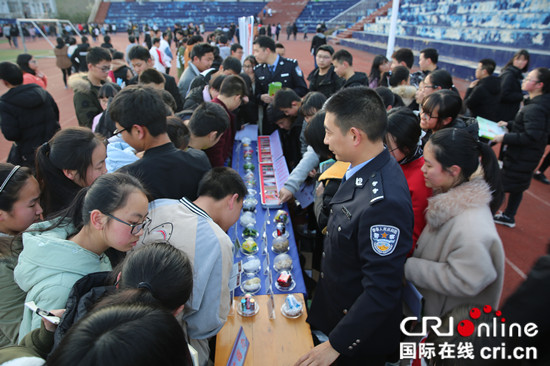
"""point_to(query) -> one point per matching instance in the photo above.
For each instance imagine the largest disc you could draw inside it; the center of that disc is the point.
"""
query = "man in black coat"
(28, 115)
(323, 79)
(343, 67)
(483, 95)
(369, 233)
(274, 68)
(78, 58)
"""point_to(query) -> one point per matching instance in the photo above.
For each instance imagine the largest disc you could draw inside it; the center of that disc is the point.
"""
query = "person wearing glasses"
(323, 78)
(86, 85)
(525, 142)
(111, 213)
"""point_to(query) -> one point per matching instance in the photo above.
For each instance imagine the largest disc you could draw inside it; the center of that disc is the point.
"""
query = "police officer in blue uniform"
(274, 68)
(358, 298)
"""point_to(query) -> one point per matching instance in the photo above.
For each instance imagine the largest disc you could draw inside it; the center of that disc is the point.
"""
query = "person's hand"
(322, 355)
(502, 123)
(474, 83)
(285, 195)
(320, 190)
(312, 173)
(266, 98)
(51, 327)
(498, 138)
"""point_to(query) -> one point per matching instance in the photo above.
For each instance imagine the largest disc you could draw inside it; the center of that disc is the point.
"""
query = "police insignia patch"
(298, 71)
(384, 239)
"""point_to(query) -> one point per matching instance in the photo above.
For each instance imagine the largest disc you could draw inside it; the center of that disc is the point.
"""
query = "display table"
(277, 342)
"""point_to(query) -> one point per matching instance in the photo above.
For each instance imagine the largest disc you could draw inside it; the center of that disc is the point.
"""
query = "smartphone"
(43, 313)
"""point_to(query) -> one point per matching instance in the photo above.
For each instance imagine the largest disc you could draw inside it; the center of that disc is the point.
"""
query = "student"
(280, 49)
(56, 253)
(152, 78)
(202, 94)
(102, 123)
(237, 51)
(19, 208)
(151, 335)
(178, 132)
(29, 115)
(201, 58)
(31, 74)
(141, 61)
(62, 60)
(122, 73)
(78, 57)
(357, 303)
(207, 124)
(343, 67)
(400, 85)
(140, 117)
(323, 79)
(233, 93)
(161, 61)
(510, 85)
(73, 158)
(483, 95)
(453, 266)
(290, 130)
(402, 141)
(525, 143)
(199, 229)
(380, 66)
(86, 85)
(427, 60)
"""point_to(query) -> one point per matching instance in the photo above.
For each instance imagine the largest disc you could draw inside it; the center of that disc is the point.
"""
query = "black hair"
(139, 105)
(201, 49)
(448, 102)
(375, 68)
(23, 62)
(279, 45)
(117, 55)
(169, 101)
(431, 53)
(84, 39)
(315, 136)
(404, 126)
(151, 76)
(11, 73)
(441, 78)
(233, 85)
(312, 102)
(265, 42)
(108, 90)
(194, 39)
(222, 39)
(251, 59)
(208, 117)
(404, 55)
(543, 74)
(178, 132)
(165, 269)
(398, 75)
(216, 82)
(343, 55)
(131, 39)
(155, 40)
(107, 38)
(235, 47)
(10, 193)
(70, 148)
(221, 182)
(518, 54)
(150, 336)
(283, 98)
(326, 47)
(456, 146)
(489, 65)
(97, 54)
(365, 112)
(389, 98)
(232, 63)
(139, 53)
(60, 42)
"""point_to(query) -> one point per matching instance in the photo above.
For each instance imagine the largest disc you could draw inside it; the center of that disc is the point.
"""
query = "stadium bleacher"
(316, 12)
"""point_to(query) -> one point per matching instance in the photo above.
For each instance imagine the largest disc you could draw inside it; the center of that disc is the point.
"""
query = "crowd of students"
(404, 188)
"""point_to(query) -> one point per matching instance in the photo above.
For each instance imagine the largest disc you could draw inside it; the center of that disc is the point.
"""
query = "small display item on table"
(285, 282)
(248, 153)
(280, 231)
(251, 264)
(249, 246)
(281, 216)
(280, 244)
(292, 308)
(246, 141)
(250, 232)
(247, 306)
(250, 283)
(249, 166)
(282, 262)
(248, 218)
(249, 204)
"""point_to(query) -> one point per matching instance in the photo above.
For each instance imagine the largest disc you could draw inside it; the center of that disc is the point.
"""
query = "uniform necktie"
(271, 68)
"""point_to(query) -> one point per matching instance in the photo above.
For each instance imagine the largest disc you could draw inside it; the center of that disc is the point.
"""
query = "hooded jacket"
(358, 79)
(453, 265)
(484, 99)
(29, 117)
(49, 266)
(525, 142)
(406, 92)
(511, 93)
(85, 99)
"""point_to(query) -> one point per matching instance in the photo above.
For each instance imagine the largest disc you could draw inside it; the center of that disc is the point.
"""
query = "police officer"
(358, 298)
(274, 68)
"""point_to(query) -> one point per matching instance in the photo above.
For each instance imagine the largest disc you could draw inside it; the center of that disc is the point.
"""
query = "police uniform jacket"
(358, 299)
(287, 72)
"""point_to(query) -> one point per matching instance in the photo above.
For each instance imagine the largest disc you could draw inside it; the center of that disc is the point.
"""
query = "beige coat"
(62, 60)
(460, 258)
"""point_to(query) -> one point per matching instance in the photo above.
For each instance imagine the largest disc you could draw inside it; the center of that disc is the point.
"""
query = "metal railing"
(354, 13)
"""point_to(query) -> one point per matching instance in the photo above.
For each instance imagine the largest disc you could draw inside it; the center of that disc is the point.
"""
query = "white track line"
(516, 269)
(538, 198)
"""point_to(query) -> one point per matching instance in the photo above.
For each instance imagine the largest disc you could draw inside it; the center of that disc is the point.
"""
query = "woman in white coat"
(460, 258)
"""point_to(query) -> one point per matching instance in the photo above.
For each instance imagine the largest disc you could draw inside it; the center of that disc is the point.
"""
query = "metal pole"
(393, 27)
(22, 35)
(42, 33)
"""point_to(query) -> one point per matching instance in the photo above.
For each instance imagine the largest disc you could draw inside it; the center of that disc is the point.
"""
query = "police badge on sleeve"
(384, 239)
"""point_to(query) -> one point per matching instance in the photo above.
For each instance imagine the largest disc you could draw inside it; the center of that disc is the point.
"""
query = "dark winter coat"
(327, 84)
(318, 40)
(525, 143)
(511, 95)
(358, 79)
(29, 117)
(484, 99)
